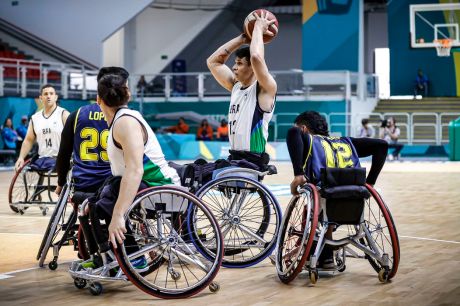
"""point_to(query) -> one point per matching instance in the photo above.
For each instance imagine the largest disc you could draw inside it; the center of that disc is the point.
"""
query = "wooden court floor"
(424, 198)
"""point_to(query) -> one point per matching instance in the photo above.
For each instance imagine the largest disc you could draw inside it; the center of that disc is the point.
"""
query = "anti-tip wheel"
(313, 277)
(214, 287)
(53, 265)
(383, 275)
(95, 288)
(341, 269)
(80, 283)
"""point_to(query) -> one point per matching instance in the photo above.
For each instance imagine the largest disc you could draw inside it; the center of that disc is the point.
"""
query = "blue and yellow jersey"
(91, 163)
(328, 152)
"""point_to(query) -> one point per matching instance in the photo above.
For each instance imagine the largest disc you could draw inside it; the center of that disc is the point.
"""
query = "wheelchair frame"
(112, 259)
(31, 200)
(230, 218)
(380, 261)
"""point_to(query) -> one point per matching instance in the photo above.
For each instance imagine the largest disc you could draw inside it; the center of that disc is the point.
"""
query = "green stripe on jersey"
(257, 142)
(153, 175)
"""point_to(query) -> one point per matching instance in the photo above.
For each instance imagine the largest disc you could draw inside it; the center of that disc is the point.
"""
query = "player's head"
(48, 96)
(312, 122)
(242, 67)
(112, 89)
(8, 123)
(112, 70)
(391, 121)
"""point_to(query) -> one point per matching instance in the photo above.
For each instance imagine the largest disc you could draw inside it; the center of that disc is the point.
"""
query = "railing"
(426, 128)
(23, 78)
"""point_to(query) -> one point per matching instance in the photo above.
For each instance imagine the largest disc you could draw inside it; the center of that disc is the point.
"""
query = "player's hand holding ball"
(263, 20)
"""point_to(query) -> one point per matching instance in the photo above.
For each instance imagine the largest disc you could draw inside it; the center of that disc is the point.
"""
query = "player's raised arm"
(216, 62)
(266, 81)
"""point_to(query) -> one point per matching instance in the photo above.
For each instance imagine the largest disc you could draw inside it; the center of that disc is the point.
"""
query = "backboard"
(431, 22)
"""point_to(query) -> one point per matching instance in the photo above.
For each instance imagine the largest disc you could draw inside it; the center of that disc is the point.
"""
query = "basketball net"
(443, 46)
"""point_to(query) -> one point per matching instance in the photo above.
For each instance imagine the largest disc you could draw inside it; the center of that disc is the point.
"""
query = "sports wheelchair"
(63, 228)
(32, 187)
(249, 215)
(178, 260)
(362, 223)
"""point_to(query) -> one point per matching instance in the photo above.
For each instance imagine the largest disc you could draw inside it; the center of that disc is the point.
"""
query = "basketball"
(251, 20)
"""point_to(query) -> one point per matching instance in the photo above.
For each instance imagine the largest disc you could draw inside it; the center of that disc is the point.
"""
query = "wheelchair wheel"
(249, 217)
(56, 224)
(297, 233)
(382, 238)
(158, 236)
(23, 187)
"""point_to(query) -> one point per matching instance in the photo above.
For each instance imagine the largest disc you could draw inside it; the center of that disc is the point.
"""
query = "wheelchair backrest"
(166, 201)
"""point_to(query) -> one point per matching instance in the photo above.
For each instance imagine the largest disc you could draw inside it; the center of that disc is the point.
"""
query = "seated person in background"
(45, 127)
(222, 131)
(9, 135)
(421, 84)
(180, 128)
(204, 131)
(311, 149)
(22, 128)
(390, 133)
(366, 130)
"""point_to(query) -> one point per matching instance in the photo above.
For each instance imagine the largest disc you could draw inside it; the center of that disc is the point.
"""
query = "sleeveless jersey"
(91, 163)
(48, 131)
(248, 123)
(328, 152)
(156, 169)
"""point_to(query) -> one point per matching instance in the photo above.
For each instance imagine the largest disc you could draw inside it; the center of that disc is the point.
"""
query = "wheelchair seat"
(80, 196)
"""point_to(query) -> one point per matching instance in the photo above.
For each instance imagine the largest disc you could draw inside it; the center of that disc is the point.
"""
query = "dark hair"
(112, 88)
(46, 86)
(182, 118)
(315, 123)
(113, 70)
(364, 121)
(244, 52)
(4, 123)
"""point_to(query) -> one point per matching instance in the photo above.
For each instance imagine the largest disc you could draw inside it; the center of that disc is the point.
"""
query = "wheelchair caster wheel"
(21, 212)
(341, 269)
(313, 277)
(175, 275)
(45, 211)
(383, 275)
(95, 289)
(80, 283)
(53, 265)
(214, 287)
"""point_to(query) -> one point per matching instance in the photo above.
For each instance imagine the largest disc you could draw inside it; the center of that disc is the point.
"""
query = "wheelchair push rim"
(250, 230)
(179, 270)
(297, 234)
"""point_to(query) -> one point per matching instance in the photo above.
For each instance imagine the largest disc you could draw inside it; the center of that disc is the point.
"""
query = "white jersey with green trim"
(156, 169)
(248, 123)
(48, 131)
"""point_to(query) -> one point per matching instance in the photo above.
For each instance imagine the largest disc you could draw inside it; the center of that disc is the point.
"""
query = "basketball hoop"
(443, 46)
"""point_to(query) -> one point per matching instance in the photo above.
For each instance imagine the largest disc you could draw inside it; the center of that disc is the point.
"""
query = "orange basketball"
(251, 20)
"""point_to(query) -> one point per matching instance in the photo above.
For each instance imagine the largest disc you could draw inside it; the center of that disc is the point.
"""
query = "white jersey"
(48, 131)
(156, 169)
(248, 123)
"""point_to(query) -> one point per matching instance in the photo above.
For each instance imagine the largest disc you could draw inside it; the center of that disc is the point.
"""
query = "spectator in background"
(204, 131)
(180, 128)
(390, 133)
(9, 135)
(366, 130)
(222, 131)
(141, 86)
(421, 84)
(22, 128)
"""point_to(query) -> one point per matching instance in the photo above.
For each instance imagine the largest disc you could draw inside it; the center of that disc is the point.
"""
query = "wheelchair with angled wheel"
(63, 228)
(249, 215)
(362, 224)
(158, 256)
(32, 187)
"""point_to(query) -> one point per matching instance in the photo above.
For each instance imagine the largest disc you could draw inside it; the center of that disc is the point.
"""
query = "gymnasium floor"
(424, 198)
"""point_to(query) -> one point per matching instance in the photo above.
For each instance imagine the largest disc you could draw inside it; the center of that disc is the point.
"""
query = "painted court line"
(9, 274)
(430, 239)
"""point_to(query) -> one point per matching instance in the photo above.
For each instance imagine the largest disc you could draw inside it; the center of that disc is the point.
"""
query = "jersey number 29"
(92, 140)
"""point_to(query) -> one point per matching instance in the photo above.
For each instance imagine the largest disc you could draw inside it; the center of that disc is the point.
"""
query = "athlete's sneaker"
(88, 265)
(327, 264)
